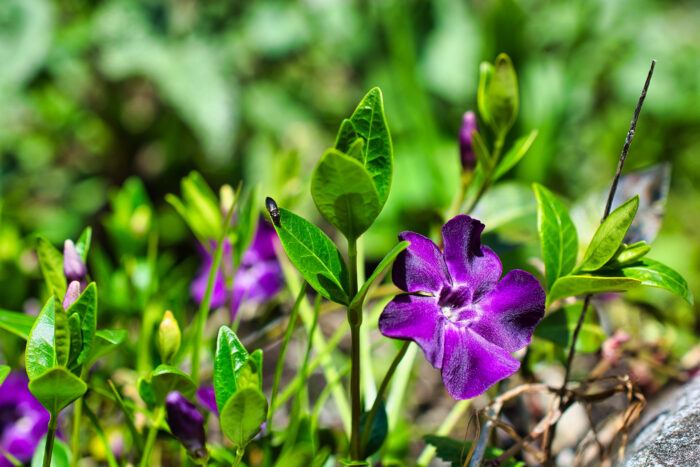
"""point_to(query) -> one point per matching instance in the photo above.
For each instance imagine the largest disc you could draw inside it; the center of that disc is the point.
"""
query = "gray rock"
(670, 430)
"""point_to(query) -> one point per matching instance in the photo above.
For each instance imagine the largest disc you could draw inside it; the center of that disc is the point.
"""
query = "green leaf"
(557, 233)
(558, 327)
(608, 238)
(166, 378)
(4, 371)
(498, 94)
(51, 263)
(346, 137)
(570, 286)
(378, 431)
(483, 156)
(86, 308)
(250, 375)
(628, 254)
(61, 335)
(146, 393)
(514, 154)
(76, 339)
(345, 193)
(199, 207)
(56, 388)
(314, 255)
(60, 456)
(384, 263)
(40, 355)
(455, 452)
(83, 244)
(19, 324)
(301, 455)
(247, 218)
(230, 358)
(370, 123)
(104, 342)
(243, 415)
(655, 274)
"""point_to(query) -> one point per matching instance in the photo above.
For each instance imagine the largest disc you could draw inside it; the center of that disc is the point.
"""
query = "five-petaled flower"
(466, 321)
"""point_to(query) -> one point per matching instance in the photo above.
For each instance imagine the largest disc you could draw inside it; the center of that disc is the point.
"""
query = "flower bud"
(73, 266)
(168, 337)
(226, 198)
(72, 294)
(466, 141)
(186, 424)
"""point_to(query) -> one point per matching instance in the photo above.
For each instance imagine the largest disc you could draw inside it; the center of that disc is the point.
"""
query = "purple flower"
(186, 424)
(207, 399)
(23, 420)
(466, 141)
(73, 266)
(72, 294)
(258, 278)
(466, 321)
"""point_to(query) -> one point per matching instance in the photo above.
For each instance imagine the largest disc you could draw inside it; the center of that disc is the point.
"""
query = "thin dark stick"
(608, 206)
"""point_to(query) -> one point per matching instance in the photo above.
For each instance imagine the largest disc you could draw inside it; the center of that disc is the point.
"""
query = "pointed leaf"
(314, 255)
(243, 415)
(19, 324)
(230, 358)
(571, 286)
(86, 308)
(370, 123)
(378, 431)
(40, 355)
(557, 233)
(56, 388)
(384, 263)
(345, 193)
(51, 263)
(655, 274)
(514, 154)
(104, 342)
(628, 254)
(83, 244)
(166, 378)
(483, 156)
(76, 339)
(608, 238)
(346, 137)
(559, 326)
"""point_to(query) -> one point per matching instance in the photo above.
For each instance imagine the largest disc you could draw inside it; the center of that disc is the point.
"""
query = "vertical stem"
(239, 457)
(158, 415)
(355, 319)
(50, 438)
(77, 415)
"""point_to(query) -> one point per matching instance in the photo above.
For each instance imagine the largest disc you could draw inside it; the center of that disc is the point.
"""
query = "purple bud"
(466, 140)
(186, 424)
(73, 266)
(72, 294)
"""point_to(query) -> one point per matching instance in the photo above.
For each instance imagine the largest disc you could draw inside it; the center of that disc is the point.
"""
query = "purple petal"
(207, 399)
(199, 284)
(420, 267)
(472, 364)
(510, 312)
(262, 247)
(417, 318)
(468, 262)
(73, 266)
(256, 284)
(186, 423)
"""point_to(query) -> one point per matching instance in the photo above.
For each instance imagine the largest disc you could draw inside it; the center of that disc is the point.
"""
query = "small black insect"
(273, 210)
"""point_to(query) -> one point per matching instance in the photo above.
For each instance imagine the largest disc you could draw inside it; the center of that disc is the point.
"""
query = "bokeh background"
(95, 92)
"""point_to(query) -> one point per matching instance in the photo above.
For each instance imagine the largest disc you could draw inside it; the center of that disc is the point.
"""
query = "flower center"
(455, 303)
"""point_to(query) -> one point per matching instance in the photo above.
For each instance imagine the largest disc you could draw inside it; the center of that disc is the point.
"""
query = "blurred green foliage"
(92, 93)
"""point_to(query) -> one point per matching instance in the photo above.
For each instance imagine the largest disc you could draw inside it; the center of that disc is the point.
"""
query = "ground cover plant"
(292, 312)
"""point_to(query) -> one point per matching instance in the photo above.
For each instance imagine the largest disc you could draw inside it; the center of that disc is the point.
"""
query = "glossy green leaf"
(378, 431)
(51, 263)
(4, 371)
(243, 415)
(514, 154)
(61, 335)
(370, 123)
(455, 451)
(558, 327)
(345, 193)
(86, 308)
(383, 264)
(40, 355)
(229, 359)
(56, 388)
(60, 457)
(104, 342)
(574, 285)
(166, 378)
(628, 254)
(76, 339)
(498, 94)
(608, 238)
(83, 244)
(655, 274)
(557, 233)
(346, 137)
(314, 255)
(19, 324)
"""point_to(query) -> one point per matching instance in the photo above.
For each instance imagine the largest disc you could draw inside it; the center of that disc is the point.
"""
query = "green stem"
(497, 148)
(158, 416)
(240, 452)
(50, 438)
(380, 394)
(452, 418)
(75, 435)
(355, 320)
(203, 312)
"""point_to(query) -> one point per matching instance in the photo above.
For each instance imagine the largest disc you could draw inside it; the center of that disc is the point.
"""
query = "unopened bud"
(226, 198)
(466, 141)
(168, 337)
(73, 266)
(186, 424)
(72, 294)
